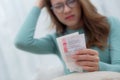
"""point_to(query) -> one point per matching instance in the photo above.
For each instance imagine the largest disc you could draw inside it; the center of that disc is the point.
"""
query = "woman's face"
(68, 12)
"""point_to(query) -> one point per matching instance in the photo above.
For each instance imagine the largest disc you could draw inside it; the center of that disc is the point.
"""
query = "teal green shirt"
(109, 58)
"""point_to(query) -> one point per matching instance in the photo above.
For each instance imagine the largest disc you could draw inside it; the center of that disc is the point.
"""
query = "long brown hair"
(96, 26)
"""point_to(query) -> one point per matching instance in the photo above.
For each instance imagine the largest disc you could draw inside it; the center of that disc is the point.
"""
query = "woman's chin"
(72, 25)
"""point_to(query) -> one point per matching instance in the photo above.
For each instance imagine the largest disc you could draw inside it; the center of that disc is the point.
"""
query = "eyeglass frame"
(66, 3)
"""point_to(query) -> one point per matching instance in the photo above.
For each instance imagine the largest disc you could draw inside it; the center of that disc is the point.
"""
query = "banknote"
(68, 45)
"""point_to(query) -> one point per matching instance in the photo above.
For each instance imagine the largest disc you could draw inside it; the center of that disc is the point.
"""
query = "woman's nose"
(67, 9)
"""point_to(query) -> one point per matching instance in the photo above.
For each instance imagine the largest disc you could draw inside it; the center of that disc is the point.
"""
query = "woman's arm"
(114, 47)
(109, 67)
(25, 38)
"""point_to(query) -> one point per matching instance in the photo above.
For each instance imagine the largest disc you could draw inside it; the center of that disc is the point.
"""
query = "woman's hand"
(40, 3)
(88, 59)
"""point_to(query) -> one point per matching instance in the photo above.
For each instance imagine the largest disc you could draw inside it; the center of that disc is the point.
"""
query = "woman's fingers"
(88, 66)
(86, 63)
(40, 3)
(88, 59)
(87, 51)
(85, 58)
(90, 69)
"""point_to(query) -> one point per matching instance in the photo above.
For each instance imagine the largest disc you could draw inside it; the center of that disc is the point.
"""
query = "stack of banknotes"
(68, 45)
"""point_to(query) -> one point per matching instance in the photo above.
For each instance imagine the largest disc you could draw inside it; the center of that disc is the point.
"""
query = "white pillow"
(100, 75)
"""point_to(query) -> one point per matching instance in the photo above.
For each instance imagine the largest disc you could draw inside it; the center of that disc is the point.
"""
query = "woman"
(70, 16)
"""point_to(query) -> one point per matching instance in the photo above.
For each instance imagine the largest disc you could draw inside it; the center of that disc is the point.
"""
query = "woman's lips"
(69, 17)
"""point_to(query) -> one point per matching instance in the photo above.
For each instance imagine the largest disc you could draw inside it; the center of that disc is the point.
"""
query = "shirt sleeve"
(114, 47)
(25, 38)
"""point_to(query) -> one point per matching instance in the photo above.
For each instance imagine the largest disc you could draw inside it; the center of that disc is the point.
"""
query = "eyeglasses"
(59, 7)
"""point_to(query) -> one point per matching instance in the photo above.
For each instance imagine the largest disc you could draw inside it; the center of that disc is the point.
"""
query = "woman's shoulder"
(113, 21)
